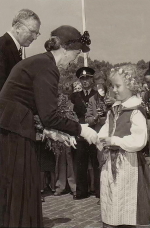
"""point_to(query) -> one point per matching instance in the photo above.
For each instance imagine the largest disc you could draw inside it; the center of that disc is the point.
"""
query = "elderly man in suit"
(25, 29)
(81, 154)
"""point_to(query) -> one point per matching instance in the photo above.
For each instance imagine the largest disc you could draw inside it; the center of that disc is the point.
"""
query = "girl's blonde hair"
(130, 75)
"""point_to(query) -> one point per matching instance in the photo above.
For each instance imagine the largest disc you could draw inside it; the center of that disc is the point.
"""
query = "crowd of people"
(96, 145)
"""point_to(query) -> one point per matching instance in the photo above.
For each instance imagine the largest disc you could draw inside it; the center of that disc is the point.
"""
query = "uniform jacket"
(80, 102)
(9, 57)
(32, 88)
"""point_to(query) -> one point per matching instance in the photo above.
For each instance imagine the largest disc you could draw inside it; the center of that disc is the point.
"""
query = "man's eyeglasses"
(31, 31)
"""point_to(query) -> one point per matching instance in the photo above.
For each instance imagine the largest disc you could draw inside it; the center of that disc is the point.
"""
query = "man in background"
(81, 154)
(24, 30)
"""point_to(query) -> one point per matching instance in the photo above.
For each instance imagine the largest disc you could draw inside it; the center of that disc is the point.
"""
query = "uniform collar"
(84, 90)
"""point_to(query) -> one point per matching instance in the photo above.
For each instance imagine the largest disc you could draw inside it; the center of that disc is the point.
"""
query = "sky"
(119, 29)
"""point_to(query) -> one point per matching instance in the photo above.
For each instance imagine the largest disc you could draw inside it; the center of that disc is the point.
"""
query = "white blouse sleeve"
(138, 138)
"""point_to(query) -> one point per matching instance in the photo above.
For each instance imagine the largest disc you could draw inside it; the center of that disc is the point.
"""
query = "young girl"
(125, 176)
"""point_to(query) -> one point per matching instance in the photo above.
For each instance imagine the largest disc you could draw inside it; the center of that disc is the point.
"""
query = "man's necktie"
(86, 93)
(20, 52)
(86, 97)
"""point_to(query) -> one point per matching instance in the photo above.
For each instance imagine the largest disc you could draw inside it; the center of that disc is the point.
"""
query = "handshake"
(92, 137)
(89, 134)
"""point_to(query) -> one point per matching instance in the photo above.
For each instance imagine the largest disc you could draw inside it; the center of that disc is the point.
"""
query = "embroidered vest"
(123, 123)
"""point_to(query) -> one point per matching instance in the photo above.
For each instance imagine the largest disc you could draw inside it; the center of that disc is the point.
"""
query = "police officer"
(81, 154)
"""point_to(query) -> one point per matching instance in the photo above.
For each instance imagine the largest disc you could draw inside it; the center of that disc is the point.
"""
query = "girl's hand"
(105, 141)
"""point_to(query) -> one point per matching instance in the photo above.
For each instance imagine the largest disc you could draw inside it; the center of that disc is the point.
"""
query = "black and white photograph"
(75, 113)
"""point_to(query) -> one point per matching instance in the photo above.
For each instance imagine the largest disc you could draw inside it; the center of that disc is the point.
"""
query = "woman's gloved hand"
(88, 133)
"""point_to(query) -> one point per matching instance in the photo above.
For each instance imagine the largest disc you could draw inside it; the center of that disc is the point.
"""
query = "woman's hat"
(70, 36)
(46, 45)
(85, 71)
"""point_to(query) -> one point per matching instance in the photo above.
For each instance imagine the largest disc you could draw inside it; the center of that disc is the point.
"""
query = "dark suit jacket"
(9, 57)
(80, 102)
(31, 88)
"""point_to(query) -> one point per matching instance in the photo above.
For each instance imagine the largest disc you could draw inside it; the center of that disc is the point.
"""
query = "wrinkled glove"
(60, 136)
(73, 142)
(50, 134)
(88, 133)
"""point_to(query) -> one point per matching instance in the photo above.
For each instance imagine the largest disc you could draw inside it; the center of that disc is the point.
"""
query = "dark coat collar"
(50, 55)
(12, 47)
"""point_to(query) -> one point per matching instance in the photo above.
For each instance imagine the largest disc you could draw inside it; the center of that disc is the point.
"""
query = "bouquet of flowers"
(65, 108)
(57, 140)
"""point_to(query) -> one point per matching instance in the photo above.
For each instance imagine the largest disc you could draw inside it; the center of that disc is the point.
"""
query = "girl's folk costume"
(125, 179)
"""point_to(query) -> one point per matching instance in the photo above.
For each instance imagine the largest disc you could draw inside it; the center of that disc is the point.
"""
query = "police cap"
(85, 71)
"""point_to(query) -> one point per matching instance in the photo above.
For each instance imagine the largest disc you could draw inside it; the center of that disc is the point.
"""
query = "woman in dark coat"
(32, 88)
